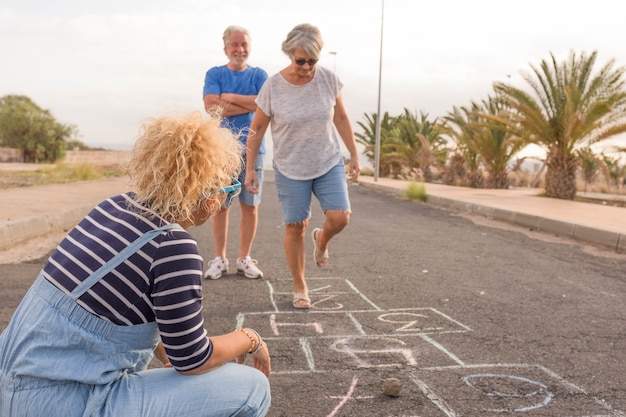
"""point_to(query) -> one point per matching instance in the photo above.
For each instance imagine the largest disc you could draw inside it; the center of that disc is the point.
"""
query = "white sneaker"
(217, 267)
(248, 268)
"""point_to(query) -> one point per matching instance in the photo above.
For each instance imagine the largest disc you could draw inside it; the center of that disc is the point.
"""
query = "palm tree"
(570, 109)
(589, 163)
(406, 143)
(455, 173)
(490, 140)
(497, 146)
(612, 169)
(462, 129)
(420, 143)
(368, 139)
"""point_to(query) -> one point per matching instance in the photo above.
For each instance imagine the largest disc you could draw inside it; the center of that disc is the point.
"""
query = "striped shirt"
(161, 282)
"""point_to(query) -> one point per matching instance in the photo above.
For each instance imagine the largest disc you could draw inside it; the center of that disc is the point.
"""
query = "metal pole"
(378, 121)
(334, 54)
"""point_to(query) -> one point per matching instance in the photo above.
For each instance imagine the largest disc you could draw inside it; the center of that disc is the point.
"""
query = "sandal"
(301, 300)
(321, 257)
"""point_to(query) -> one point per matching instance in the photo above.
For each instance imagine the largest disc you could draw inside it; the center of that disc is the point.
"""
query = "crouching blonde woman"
(124, 285)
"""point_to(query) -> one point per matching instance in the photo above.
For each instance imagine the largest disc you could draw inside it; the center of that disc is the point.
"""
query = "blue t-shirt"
(220, 80)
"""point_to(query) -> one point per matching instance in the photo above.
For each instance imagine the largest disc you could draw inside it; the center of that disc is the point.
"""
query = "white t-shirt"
(305, 140)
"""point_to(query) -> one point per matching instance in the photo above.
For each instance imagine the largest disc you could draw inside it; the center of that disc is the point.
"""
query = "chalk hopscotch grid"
(419, 375)
(575, 398)
(350, 335)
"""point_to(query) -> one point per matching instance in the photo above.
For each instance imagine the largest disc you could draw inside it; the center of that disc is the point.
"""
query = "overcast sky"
(105, 66)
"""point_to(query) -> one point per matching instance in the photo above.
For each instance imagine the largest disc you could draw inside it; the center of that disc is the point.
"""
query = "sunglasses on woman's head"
(231, 192)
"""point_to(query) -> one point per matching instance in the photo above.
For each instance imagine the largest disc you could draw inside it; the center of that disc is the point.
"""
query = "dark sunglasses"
(302, 61)
(231, 192)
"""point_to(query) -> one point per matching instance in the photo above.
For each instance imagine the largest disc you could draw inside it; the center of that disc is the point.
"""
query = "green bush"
(58, 173)
(416, 191)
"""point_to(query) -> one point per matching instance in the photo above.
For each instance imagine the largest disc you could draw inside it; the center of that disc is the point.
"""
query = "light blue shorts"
(331, 190)
(246, 197)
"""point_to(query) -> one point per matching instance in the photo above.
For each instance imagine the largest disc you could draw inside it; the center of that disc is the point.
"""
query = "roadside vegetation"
(566, 108)
(34, 131)
(416, 192)
(57, 174)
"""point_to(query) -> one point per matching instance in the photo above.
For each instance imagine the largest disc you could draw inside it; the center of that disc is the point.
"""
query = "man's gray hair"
(234, 29)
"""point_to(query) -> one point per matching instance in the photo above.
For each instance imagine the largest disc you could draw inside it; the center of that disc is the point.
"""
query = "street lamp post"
(334, 54)
(378, 121)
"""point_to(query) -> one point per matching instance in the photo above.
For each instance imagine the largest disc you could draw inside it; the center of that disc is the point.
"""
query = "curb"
(19, 231)
(604, 238)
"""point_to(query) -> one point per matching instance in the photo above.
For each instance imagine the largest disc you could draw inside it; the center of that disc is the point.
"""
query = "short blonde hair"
(305, 36)
(178, 160)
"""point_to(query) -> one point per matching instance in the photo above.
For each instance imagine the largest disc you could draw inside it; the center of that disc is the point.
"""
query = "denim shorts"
(246, 197)
(331, 190)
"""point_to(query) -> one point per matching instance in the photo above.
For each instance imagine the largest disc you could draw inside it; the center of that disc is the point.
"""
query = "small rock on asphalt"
(392, 387)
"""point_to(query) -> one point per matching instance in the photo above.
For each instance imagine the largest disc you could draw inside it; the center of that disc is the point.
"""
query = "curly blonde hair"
(178, 160)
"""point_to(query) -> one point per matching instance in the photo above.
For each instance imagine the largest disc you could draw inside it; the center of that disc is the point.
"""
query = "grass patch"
(58, 174)
(415, 191)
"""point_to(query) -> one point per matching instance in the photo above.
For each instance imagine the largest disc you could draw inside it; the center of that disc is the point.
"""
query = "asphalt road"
(472, 318)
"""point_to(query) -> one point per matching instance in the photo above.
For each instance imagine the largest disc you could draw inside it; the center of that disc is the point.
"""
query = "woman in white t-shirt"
(304, 105)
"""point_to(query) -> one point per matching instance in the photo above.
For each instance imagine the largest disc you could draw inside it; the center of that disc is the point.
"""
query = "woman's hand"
(241, 359)
(251, 181)
(261, 360)
(235, 346)
(354, 169)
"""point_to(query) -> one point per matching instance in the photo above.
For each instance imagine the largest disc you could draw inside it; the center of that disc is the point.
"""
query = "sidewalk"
(29, 212)
(597, 224)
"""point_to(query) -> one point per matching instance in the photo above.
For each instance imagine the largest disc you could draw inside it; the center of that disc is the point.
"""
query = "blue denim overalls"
(57, 359)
